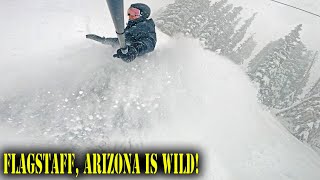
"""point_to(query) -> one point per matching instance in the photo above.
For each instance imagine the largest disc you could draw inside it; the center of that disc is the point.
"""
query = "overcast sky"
(275, 20)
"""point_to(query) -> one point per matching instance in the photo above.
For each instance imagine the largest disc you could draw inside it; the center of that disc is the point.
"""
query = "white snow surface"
(58, 88)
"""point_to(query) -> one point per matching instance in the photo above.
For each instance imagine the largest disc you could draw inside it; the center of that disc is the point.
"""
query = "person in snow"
(140, 33)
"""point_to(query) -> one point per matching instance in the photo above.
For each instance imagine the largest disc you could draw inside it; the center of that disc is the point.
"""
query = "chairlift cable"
(295, 8)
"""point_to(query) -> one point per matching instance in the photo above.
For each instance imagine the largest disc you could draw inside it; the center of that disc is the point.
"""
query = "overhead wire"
(295, 7)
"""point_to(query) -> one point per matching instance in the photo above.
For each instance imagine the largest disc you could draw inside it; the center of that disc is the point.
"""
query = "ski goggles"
(133, 13)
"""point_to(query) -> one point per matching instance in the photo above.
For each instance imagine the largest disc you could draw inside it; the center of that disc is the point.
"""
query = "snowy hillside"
(59, 88)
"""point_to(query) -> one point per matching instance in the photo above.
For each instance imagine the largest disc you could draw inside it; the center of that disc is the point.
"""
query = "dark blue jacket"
(141, 35)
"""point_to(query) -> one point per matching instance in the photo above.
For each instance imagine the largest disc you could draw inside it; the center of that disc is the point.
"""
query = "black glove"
(129, 56)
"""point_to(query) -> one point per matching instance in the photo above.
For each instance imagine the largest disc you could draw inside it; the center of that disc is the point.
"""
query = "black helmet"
(144, 9)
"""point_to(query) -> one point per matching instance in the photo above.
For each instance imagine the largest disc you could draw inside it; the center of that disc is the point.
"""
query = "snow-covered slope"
(60, 88)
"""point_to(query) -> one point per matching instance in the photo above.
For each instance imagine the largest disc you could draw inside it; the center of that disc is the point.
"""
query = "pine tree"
(260, 57)
(229, 27)
(177, 15)
(240, 34)
(218, 25)
(198, 20)
(315, 90)
(209, 29)
(170, 19)
(220, 29)
(308, 56)
(213, 24)
(303, 120)
(244, 51)
(280, 71)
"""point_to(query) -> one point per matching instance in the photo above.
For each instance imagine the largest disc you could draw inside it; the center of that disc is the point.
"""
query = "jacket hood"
(144, 9)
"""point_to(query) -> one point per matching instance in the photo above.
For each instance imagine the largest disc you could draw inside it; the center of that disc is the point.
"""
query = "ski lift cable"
(295, 8)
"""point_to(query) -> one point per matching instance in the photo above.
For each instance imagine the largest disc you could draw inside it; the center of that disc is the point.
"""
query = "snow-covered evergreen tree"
(216, 26)
(177, 15)
(210, 29)
(303, 120)
(315, 90)
(280, 69)
(170, 20)
(200, 18)
(260, 57)
(228, 27)
(240, 33)
(244, 51)
(219, 29)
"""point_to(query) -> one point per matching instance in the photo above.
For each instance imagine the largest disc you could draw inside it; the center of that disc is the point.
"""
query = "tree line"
(281, 70)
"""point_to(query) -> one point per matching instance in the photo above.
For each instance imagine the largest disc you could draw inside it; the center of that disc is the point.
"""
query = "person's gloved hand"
(129, 56)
